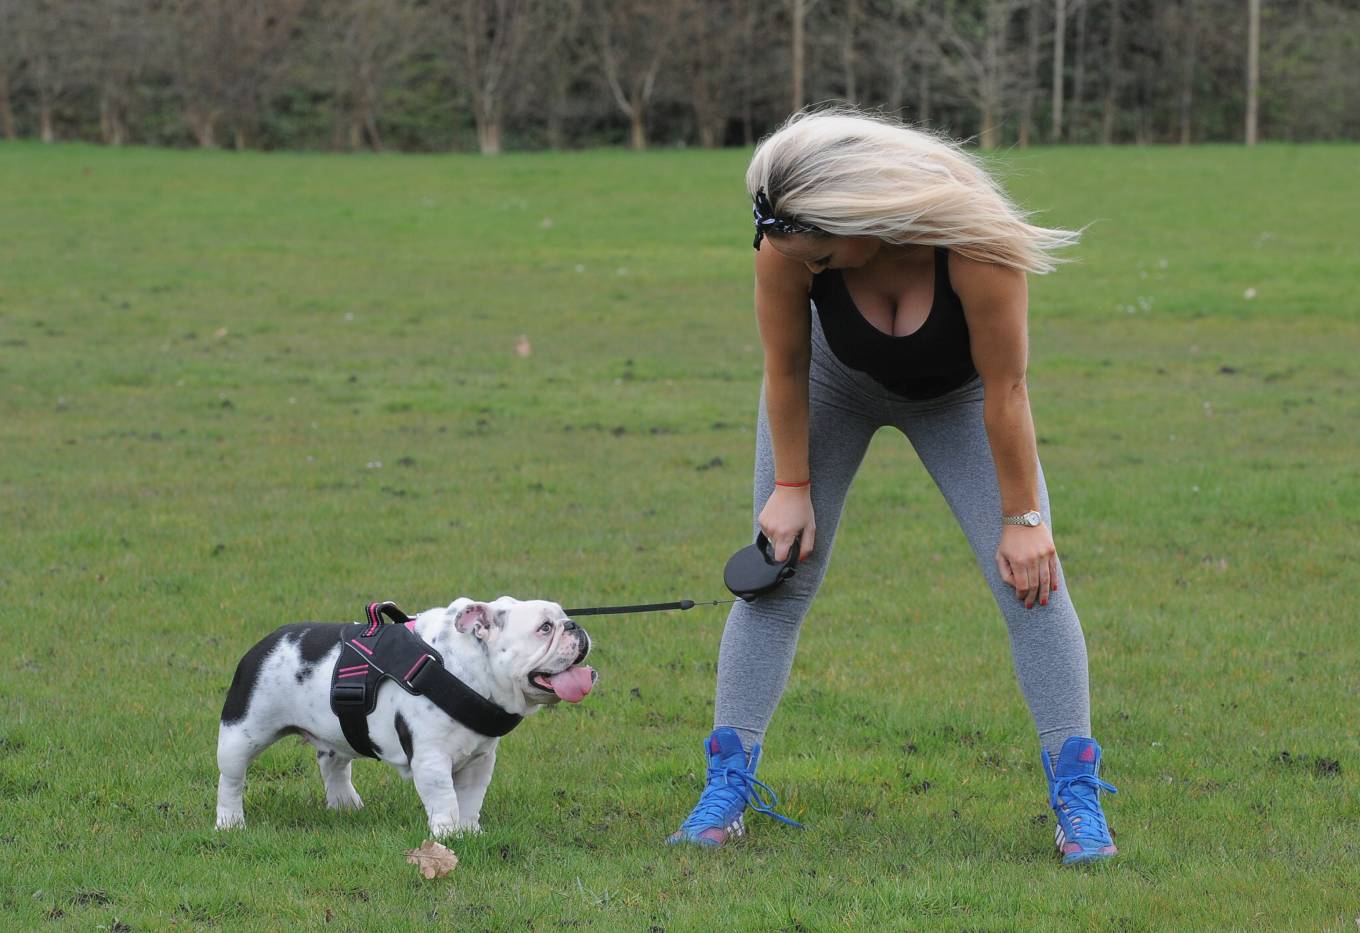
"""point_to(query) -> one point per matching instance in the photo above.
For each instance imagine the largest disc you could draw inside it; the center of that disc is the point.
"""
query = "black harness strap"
(380, 652)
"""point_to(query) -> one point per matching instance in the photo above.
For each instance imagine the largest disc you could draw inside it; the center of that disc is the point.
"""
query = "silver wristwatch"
(1030, 519)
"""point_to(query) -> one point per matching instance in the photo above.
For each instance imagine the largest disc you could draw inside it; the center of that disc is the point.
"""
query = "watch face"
(1033, 518)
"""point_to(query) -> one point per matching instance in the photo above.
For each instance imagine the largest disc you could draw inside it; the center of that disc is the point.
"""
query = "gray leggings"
(846, 408)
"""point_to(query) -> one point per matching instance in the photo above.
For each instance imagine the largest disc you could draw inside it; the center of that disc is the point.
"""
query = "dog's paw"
(230, 819)
(443, 829)
(345, 800)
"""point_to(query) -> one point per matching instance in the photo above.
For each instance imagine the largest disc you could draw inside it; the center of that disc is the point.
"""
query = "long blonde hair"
(850, 173)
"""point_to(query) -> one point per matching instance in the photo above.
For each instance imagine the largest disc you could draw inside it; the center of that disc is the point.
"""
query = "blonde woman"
(892, 292)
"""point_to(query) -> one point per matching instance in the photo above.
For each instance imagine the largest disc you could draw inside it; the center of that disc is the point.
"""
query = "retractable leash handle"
(753, 571)
(750, 573)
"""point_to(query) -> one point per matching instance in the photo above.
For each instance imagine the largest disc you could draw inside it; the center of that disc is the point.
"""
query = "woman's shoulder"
(778, 273)
(980, 280)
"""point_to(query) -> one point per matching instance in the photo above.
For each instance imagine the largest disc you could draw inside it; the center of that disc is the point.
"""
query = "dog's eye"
(545, 628)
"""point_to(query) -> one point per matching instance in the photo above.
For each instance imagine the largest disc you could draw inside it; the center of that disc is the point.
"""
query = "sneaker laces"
(726, 786)
(1080, 794)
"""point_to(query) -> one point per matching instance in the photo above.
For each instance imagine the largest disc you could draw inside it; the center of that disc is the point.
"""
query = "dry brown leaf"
(433, 860)
(523, 347)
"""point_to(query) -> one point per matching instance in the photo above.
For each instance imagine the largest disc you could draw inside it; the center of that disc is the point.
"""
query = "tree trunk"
(238, 137)
(848, 49)
(897, 83)
(799, 15)
(46, 132)
(342, 117)
(1112, 74)
(557, 109)
(369, 98)
(1031, 73)
(709, 113)
(989, 136)
(371, 126)
(1078, 73)
(1253, 66)
(637, 129)
(1059, 41)
(204, 128)
(110, 128)
(6, 111)
(748, 129)
(489, 134)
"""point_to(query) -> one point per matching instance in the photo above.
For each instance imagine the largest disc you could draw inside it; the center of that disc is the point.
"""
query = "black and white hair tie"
(768, 222)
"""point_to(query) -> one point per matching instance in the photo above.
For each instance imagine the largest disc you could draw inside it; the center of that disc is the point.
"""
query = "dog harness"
(392, 650)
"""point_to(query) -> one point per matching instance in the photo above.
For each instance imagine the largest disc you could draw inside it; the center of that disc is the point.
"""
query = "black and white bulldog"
(520, 656)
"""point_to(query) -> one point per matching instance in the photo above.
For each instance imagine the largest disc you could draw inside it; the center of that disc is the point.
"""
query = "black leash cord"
(647, 607)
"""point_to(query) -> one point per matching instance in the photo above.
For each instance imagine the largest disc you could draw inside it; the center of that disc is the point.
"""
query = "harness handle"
(376, 611)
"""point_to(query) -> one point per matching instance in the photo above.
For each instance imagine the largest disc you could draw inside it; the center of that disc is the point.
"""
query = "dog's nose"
(570, 626)
(583, 643)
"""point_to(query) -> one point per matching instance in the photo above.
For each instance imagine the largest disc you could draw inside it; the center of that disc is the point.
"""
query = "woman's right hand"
(787, 513)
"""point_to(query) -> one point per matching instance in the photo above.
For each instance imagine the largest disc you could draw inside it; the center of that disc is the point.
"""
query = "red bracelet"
(806, 482)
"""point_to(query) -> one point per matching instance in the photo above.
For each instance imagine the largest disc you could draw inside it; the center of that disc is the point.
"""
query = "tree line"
(431, 75)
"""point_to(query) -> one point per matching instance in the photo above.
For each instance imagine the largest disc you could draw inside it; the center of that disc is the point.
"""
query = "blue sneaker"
(1074, 794)
(731, 788)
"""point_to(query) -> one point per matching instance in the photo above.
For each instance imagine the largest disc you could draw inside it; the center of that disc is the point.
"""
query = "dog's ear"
(476, 619)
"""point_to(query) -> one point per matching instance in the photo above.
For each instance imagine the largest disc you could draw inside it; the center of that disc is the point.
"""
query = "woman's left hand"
(1028, 561)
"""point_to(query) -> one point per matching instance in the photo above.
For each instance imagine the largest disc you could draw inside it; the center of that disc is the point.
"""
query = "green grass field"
(243, 390)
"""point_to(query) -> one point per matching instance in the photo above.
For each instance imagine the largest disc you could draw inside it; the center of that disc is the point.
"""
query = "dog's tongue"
(573, 684)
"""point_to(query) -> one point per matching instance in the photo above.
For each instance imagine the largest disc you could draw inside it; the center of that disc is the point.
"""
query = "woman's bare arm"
(782, 314)
(996, 302)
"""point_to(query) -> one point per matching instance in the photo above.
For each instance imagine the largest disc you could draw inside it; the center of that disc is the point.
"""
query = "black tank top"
(931, 362)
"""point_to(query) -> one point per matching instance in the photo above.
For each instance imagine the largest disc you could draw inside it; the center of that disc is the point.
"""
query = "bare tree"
(1307, 59)
(717, 53)
(887, 46)
(199, 70)
(748, 27)
(976, 57)
(798, 10)
(1059, 45)
(367, 41)
(1074, 119)
(632, 38)
(500, 44)
(1253, 66)
(120, 41)
(568, 62)
(252, 70)
(6, 108)
(43, 31)
(11, 66)
(1190, 32)
(850, 26)
(1031, 71)
(229, 56)
(1112, 71)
